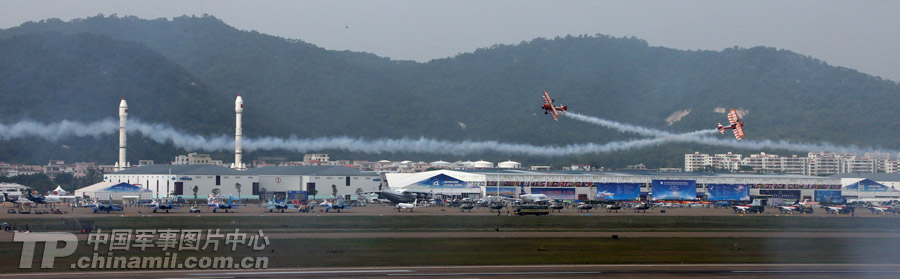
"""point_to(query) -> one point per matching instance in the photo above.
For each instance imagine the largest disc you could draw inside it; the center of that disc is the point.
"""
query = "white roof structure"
(59, 191)
(509, 165)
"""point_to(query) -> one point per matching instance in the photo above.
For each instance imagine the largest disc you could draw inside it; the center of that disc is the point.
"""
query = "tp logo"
(51, 250)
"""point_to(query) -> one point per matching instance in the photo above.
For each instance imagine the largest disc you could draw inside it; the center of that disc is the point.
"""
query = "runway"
(524, 271)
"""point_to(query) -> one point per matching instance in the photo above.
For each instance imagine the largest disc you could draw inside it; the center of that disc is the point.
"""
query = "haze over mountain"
(186, 72)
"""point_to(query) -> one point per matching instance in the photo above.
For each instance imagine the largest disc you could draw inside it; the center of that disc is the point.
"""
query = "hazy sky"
(855, 34)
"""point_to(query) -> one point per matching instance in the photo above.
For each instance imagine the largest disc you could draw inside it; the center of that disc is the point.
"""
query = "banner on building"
(867, 185)
(829, 196)
(504, 191)
(556, 193)
(674, 190)
(728, 192)
(618, 191)
(781, 194)
(444, 181)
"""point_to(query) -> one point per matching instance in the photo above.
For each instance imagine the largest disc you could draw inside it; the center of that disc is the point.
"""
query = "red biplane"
(736, 124)
(549, 108)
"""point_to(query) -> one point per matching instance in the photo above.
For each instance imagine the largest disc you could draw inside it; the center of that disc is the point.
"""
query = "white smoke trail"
(700, 138)
(162, 133)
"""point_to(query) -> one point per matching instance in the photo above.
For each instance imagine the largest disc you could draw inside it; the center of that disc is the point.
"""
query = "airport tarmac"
(516, 271)
(260, 210)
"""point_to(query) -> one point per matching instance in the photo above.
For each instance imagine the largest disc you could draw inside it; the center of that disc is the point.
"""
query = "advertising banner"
(504, 191)
(674, 190)
(829, 196)
(867, 185)
(781, 194)
(556, 193)
(444, 181)
(618, 191)
(728, 192)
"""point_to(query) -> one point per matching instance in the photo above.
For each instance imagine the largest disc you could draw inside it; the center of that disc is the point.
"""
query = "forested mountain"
(186, 72)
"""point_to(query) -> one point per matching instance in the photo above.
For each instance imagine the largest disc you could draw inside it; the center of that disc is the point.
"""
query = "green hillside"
(295, 88)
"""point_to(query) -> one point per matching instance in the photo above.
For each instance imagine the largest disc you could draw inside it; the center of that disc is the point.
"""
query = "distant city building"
(816, 163)
(315, 157)
(194, 158)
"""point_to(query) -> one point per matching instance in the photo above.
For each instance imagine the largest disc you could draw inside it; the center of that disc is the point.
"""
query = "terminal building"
(622, 186)
(294, 182)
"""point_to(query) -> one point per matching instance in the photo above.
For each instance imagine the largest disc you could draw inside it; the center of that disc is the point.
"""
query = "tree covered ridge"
(296, 88)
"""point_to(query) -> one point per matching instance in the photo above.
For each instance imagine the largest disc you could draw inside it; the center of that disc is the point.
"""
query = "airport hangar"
(572, 185)
(292, 182)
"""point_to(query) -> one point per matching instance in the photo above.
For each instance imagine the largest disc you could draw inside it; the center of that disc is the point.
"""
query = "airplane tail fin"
(721, 128)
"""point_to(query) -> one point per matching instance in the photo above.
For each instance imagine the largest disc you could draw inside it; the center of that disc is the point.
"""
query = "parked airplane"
(273, 206)
(880, 209)
(216, 205)
(167, 206)
(466, 206)
(792, 208)
(755, 207)
(410, 206)
(549, 108)
(402, 195)
(613, 207)
(558, 206)
(839, 209)
(108, 207)
(644, 206)
(43, 199)
(586, 207)
(534, 198)
(331, 206)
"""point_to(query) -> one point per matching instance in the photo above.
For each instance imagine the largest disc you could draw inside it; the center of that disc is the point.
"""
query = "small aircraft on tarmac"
(108, 207)
(216, 205)
(793, 207)
(167, 206)
(466, 206)
(534, 198)
(549, 108)
(331, 206)
(586, 207)
(736, 125)
(880, 209)
(275, 206)
(402, 195)
(410, 206)
(43, 199)
(613, 207)
(644, 206)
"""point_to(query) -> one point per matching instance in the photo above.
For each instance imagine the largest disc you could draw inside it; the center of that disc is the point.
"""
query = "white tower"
(123, 118)
(238, 133)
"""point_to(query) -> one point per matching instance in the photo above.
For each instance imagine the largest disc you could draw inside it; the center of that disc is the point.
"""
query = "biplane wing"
(733, 117)
(738, 132)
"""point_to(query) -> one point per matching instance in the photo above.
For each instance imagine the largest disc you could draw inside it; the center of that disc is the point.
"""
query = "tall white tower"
(238, 133)
(123, 118)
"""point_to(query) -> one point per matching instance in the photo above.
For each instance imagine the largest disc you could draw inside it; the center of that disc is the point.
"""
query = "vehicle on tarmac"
(532, 209)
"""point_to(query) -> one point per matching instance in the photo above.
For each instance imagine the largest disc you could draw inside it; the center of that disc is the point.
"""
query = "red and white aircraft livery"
(736, 124)
(549, 108)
